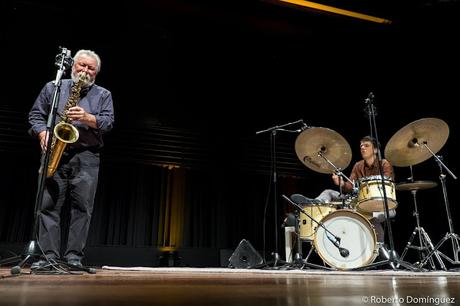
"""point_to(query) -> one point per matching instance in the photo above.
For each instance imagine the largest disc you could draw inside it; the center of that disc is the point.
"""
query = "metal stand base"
(454, 238)
(425, 246)
(392, 261)
(31, 253)
(303, 263)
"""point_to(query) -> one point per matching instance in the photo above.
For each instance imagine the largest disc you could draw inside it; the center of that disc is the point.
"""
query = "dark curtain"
(151, 205)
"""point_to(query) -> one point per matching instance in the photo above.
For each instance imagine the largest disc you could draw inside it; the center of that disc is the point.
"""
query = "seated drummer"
(368, 166)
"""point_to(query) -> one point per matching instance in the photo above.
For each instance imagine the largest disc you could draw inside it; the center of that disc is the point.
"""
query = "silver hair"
(91, 54)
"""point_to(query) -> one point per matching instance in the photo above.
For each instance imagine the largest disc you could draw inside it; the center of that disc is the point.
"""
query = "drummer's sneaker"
(301, 199)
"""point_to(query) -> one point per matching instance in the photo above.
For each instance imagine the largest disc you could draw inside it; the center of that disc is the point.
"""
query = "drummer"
(368, 166)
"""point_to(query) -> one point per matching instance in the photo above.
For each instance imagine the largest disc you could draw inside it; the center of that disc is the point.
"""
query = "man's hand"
(77, 113)
(43, 137)
(336, 179)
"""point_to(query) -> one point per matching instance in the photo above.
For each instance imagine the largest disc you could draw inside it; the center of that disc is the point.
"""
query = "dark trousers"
(74, 182)
(379, 231)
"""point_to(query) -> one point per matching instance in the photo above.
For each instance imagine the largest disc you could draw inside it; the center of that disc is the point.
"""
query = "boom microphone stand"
(33, 250)
(393, 259)
(274, 176)
(333, 238)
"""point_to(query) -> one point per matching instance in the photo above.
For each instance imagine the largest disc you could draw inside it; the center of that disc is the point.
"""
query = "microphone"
(64, 58)
(369, 98)
(16, 270)
(336, 242)
(303, 127)
(91, 270)
(344, 252)
(65, 51)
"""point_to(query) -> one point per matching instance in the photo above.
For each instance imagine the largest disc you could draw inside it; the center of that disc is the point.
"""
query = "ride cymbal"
(416, 185)
(407, 146)
(317, 141)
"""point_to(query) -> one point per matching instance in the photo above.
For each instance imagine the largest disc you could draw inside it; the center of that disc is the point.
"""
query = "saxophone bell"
(64, 133)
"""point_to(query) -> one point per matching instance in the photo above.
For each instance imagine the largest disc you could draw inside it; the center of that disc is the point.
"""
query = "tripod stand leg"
(408, 245)
(427, 241)
(309, 252)
(439, 254)
(10, 260)
(433, 251)
(305, 262)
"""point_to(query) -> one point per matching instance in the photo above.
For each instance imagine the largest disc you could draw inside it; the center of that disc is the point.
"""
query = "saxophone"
(64, 132)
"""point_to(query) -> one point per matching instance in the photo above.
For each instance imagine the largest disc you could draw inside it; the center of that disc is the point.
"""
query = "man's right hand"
(336, 179)
(43, 137)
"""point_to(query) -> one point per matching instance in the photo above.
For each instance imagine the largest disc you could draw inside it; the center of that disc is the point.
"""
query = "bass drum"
(356, 234)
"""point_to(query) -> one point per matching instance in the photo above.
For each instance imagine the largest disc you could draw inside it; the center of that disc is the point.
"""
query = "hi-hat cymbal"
(318, 140)
(416, 185)
(407, 146)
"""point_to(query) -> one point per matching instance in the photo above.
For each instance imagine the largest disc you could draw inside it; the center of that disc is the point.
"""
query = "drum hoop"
(376, 178)
(348, 211)
(389, 198)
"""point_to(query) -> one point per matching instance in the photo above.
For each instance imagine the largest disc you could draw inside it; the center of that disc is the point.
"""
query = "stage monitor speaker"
(245, 256)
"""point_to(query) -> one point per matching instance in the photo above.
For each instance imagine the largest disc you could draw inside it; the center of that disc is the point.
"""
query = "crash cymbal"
(416, 185)
(329, 143)
(407, 146)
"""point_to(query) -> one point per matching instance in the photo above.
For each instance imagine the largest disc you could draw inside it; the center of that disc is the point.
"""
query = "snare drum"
(307, 226)
(356, 234)
(370, 197)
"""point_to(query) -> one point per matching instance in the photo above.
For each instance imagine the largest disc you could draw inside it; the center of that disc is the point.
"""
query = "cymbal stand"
(425, 244)
(339, 172)
(393, 259)
(274, 177)
(451, 235)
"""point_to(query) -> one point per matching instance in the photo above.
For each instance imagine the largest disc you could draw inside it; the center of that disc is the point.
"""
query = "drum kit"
(340, 232)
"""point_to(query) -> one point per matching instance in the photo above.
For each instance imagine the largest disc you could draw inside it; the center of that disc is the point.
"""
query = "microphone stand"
(393, 259)
(274, 175)
(33, 251)
(331, 237)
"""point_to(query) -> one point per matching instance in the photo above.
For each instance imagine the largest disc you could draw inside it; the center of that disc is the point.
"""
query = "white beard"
(76, 76)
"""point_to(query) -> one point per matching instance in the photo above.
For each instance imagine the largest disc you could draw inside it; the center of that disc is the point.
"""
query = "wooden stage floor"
(221, 286)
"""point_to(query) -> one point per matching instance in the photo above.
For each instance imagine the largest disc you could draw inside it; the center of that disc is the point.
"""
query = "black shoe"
(75, 263)
(301, 199)
(40, 265)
